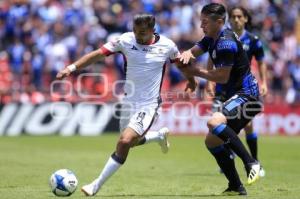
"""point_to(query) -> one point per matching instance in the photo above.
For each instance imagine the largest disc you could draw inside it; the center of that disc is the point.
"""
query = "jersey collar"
(155, 40)
(243, 34)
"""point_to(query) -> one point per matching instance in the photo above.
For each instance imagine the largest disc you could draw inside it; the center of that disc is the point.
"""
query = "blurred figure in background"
(293, 93)
(26, 26)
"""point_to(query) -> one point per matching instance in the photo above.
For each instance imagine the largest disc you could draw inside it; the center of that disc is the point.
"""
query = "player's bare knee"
(211, 123)
(125, 142)
(216, 119)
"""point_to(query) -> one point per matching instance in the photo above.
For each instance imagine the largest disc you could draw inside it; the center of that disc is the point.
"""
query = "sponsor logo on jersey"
(225, 45)
(147, 49)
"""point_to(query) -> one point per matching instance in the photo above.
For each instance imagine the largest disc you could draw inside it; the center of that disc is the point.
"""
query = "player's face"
(209, 26)
(143, 34)
(238, 20)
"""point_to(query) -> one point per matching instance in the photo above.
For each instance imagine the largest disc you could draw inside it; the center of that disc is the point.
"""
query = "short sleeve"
(112, 47)
(258, 50)
(174, 53)
(204, 43)
(225, 53)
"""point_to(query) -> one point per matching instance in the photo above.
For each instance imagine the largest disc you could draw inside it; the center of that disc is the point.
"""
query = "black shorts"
(239, 110)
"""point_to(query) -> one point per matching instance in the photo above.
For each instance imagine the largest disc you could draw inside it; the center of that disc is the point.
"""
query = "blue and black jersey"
(227, 51)
(252, 45)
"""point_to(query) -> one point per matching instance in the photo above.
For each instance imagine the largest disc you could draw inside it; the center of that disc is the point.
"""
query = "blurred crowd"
(40, 37)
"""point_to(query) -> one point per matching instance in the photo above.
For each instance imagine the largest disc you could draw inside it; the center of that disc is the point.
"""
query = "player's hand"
(190, 87)
(263, 90)
(186, 56)
(63, 73)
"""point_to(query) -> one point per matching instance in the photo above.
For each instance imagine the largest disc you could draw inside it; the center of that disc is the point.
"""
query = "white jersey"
(144, 66)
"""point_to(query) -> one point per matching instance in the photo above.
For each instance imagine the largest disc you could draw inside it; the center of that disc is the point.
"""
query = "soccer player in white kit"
(146, 55)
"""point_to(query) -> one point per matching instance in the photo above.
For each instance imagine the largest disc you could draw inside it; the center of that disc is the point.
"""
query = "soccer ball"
(63, 182)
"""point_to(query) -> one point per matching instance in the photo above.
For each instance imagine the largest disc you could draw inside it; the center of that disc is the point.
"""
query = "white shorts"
(139, 118)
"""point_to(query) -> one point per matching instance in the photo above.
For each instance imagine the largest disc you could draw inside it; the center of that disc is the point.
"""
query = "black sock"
(227, 146)
(117, 158)
(252, 144)
(226, 163)
(229, 136)
(141, 141)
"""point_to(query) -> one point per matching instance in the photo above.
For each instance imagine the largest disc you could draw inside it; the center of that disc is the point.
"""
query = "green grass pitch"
(187, 171)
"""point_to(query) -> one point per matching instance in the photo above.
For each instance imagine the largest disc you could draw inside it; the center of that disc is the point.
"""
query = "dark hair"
(214, 11)
(146, 19)
(246, 14)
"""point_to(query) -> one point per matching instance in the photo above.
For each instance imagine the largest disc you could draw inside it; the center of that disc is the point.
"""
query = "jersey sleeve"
(225, 53)
(258, 50)
(204, 44)
(112, 47)
(174, 53)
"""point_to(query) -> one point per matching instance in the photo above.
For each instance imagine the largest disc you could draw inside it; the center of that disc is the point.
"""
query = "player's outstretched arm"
(263, 76)
(190, 54)
(210, 87)
(218, 75)
(84, 61)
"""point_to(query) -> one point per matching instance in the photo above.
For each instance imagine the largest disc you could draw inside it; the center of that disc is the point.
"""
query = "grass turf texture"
(187, 171)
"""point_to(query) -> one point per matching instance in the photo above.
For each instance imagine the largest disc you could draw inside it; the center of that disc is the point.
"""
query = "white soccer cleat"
(262, 172)
(163, 142)
(253, 173)
(89, 189)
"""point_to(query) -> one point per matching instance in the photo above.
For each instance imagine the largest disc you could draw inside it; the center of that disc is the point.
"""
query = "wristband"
(72, 67)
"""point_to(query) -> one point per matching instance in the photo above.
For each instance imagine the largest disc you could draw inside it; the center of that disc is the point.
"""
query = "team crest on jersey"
(246, 47)
(214, 54)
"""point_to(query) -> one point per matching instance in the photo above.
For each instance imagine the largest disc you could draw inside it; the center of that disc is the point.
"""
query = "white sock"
(109, 169)
(152, 136)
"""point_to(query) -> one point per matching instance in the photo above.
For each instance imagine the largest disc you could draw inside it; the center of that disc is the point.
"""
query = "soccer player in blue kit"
(239, 20)
(235, 82)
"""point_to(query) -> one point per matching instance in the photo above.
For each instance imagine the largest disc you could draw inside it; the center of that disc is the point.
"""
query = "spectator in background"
(16, 57)
(240, 22)
(88, 23)
(37, 64)
(293, 93)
